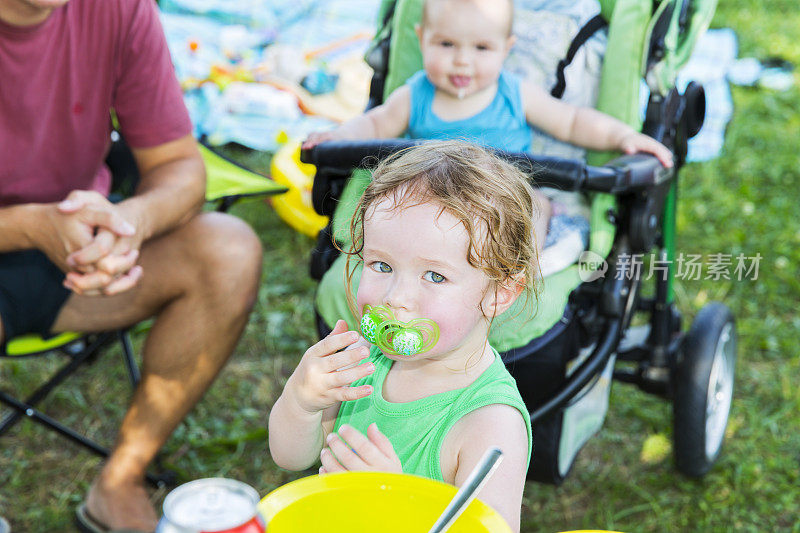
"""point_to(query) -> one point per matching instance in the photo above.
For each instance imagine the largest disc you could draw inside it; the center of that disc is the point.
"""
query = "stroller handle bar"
(625, 174)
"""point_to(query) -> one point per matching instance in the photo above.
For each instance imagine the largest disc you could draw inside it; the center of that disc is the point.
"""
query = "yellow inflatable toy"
(354, 502)
(295, 207)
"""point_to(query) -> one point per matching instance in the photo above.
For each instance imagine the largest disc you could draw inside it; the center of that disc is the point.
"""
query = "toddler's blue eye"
(380, 266)
(435, 277)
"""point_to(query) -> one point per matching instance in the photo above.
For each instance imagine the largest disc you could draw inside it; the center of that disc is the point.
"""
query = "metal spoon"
(476, 479)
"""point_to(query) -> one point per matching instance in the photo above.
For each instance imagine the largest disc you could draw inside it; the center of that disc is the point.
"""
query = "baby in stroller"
(464, 93)
(444, 233)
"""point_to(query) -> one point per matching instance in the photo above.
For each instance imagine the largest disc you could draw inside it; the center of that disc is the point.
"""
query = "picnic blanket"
(265, 61)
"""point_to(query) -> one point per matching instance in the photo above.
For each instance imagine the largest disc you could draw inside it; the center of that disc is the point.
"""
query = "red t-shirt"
(58, 80)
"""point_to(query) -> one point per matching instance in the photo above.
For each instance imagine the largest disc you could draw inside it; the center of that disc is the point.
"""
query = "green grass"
(624, 479)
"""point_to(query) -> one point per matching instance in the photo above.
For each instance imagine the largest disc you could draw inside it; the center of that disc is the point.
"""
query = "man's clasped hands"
(96, 242)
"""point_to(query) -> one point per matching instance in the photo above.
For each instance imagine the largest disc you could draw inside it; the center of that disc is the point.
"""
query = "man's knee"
(228, 257)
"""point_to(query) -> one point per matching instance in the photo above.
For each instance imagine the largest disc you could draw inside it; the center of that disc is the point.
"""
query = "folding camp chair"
(227, 183)
(78, 349)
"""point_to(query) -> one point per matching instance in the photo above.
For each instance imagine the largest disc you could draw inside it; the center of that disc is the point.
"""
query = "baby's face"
(464, 44)
(415, 263)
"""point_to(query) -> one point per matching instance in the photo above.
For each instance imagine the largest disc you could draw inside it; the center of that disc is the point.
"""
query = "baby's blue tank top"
(501, 124)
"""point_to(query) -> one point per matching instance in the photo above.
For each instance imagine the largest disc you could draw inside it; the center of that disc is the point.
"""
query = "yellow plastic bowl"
(353, 502)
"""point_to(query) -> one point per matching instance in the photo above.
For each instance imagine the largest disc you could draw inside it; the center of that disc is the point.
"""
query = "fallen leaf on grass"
(655, 449)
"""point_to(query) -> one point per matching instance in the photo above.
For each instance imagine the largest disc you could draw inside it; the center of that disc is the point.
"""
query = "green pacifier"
(393, 337)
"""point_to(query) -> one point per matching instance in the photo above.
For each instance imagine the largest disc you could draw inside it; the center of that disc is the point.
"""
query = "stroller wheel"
(704, 389)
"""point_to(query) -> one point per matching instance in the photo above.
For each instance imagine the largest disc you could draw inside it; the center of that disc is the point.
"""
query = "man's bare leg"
(200, 281)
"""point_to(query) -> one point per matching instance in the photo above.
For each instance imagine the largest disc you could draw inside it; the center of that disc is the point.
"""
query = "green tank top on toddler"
(418, 428)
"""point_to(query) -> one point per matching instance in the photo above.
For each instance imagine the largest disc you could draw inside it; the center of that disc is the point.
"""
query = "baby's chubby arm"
(586, 127)
(313, 392)
(385, 121)
(493, 425)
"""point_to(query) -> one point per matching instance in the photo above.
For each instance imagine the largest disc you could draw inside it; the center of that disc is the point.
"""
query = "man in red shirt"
(71, 260)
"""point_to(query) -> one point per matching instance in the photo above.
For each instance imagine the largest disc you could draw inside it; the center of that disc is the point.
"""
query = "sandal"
(89, 524)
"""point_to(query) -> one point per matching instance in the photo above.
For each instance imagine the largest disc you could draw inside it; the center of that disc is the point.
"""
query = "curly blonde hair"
(489, 196)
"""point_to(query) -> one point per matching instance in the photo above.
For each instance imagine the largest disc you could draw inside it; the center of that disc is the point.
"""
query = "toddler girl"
(444, 234)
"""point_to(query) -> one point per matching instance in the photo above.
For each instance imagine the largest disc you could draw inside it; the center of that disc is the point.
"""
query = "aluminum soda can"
(212, 505)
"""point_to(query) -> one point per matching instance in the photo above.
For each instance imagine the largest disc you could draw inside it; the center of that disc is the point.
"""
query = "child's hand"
(321, 379)
(638, 142)
(373, 452)
(317, 137)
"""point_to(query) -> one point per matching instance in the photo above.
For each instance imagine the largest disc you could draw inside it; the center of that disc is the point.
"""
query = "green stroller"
(565, 353)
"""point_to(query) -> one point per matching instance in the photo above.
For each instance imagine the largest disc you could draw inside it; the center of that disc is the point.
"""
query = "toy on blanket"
(295, 207)
(380, 327)
(200, 65)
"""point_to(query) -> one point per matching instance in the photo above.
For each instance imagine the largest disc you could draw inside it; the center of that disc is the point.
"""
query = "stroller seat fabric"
(544, 30)
(568, 232)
